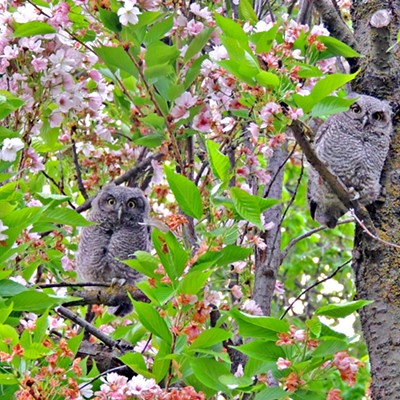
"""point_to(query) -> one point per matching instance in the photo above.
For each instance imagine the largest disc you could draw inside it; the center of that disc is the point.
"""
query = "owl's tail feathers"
(121, 310)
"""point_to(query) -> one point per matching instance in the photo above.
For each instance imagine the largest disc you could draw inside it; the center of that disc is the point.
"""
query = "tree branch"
(294, 241)
(63, 311)
(315, 284)
(78, 171)
(131, 174)
(333, 21)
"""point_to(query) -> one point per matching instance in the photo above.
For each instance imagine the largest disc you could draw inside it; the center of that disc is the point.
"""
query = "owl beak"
(119, 213)
(365, 120)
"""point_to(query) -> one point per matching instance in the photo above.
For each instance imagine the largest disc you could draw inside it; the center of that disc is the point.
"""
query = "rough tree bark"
(376, 266)
(268, 261)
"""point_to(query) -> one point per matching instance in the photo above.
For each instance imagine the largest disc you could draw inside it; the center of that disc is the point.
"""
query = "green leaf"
(193, 282)
(55, 199)
(315, 326)
(32, 300)
(337, 48)
(8, 103)
(209, 338)
(8, 335)
(197, 44)
(271, 393)
(32, 28)
(330, 347)
(172, 255)
(246, 12)
(64, 216)
(233, 382)
(247, 206)
(267, 79)
(36, 351)
(152, 320)
(5, 312)
(232, 253)
(261, 350)
(264, 40)
(144, 262)
(160, 53)
(158, 30)
(186, 193)
(8, 379)
(323, 88)
(219, 162)
(268, 323)
(331, 105)
(10, 288)
(110, 20)
(136, 362)
(342, 310)
(116, 59)
(207, 370)
(161, 363)
(232, 29)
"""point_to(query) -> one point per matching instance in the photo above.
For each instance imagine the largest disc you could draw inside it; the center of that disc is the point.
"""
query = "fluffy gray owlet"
(353, 145)
(120, 213)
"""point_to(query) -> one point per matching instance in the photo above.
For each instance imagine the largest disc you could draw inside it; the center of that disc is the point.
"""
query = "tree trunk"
(268, 261)
(377, 266)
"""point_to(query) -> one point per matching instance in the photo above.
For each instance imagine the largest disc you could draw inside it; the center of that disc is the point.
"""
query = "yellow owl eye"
(111, 201)
(131, 204)
(378, 116)
(355, 108)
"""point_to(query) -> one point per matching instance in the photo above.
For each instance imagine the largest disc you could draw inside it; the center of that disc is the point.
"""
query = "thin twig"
(51, 179)
(83, 385)
(131, 174)
(294, 241)
(72, 284)
(63, 311)
(279, 169)
(370, 234)
(78, 171)
(315, 284)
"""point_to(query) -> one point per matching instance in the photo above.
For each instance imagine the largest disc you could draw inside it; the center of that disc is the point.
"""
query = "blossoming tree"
(198, 104)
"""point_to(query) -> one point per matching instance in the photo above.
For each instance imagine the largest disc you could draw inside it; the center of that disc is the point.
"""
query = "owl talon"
(118, 282)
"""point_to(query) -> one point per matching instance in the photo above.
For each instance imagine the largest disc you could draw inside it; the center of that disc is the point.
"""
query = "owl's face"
(370, 114)
(121, 204)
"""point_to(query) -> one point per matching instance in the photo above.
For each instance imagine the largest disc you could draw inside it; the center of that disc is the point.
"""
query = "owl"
(353, 145)
(120, 229)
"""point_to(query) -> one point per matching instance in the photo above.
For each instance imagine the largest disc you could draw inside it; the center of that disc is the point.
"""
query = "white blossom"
(128, 14)
(3, 228)
(10, 149)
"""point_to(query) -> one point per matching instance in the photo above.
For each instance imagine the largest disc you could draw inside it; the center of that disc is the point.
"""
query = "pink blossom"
(55, 119)
(114, 387)
(319, 30)
(295, 113)
(64, 102)
(158, 173)
(211, 297)
(239, 371)
(251, 307)
(219, 53)
(60, 16)
(106, 329)
(236, 291)
(67, 264)
(10, 52)
(34, 203)
(95, 75)
(254, 129)
(39, 64)
(239, 267)
(194, 28)
(186, 99)
(202, 13)
(262, 26)
(3, 227)
(279, 287)
(56, 323)
(202, 122)
(263, 177)
(296, 54)
(283, 363)
(29, 324)
(300, 335)
(142, 388)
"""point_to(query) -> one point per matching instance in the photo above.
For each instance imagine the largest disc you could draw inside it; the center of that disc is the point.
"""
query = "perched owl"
(353, 145)
(120, 215)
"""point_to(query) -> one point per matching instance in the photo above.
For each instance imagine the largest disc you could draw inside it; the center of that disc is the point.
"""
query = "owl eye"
(111, 201)
(355, 108)
(378, 116)
(131, 204)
